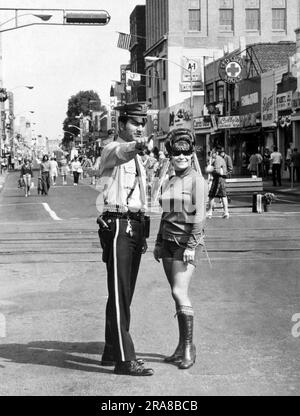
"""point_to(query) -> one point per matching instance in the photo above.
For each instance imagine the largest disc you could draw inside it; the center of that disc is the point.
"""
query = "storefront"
(268, 110)
(202, 129)
(284, 101)
(295, 118)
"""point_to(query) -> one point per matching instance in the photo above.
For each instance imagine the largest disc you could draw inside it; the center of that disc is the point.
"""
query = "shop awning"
(296, 117)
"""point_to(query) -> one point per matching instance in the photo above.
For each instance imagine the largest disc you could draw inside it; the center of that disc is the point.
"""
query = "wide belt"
(136, 216)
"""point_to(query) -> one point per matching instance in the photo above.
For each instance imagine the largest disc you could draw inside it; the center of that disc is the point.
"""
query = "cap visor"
(138, 119)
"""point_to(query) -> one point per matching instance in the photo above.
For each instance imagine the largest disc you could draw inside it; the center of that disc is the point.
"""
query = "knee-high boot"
(189, 350)
(178, 353)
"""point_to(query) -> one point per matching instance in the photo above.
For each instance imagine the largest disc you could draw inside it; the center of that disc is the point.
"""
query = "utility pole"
(1, 102)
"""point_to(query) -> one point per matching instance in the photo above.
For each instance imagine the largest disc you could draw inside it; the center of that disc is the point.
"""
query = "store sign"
(284, 101)
(191, 66)
(179, 116)
(229, 122)
(186, 86)
(154, 118)
(248, 120)
(230, 69)
(284, 121)
(296, 100)
(200, 123)
(268, 110)
(249, 99)
(3, 95)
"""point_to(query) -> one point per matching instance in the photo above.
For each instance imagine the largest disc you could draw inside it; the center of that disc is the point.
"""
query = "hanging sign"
(230, 69)
(3, 95)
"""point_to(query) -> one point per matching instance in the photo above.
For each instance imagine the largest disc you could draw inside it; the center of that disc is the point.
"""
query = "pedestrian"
(86, 165)
(228, 161)
(266, 162)
(276, 162)
(26, 174)
(123, 229)
(64, 169)
(181, 236)
(45, 174)
(288, 160)
(151, 165)
(217, 169)
(76, 169)
(296, 165)
(95, 170)
(4, 164)
(255, 162)
(229, 165)
(53, 170)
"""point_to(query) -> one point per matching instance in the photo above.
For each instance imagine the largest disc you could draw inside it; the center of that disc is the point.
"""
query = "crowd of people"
(49, 170)
(271, 164)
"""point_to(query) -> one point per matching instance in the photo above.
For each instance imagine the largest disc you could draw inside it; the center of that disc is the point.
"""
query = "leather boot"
(178, 353)
(189, 353)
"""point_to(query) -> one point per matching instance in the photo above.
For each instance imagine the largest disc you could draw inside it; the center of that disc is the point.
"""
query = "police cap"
(137, 110)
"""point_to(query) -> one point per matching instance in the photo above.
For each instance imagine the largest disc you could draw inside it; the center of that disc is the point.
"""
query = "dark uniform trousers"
(122, 247)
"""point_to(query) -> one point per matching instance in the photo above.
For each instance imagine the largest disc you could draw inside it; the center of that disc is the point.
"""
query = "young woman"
(76, 169)
(26, 174)
(218, 170)
(180, 236)
(64, 170)
(45, 174)
(53, 170)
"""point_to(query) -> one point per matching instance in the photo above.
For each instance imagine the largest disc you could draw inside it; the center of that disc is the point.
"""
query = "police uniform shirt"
(120, 173)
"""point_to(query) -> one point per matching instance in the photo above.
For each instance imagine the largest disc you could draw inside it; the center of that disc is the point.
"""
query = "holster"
(146, 226)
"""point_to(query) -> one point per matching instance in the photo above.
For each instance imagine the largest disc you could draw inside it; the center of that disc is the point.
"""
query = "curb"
(288, 192)
(2, 180)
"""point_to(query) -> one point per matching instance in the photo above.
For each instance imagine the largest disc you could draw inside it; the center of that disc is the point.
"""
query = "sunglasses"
(182, 152)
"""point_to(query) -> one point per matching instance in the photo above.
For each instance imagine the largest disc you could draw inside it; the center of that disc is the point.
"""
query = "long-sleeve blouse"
(26, 170)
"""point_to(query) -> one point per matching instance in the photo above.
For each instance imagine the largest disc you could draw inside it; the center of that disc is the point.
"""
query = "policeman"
(123, 229)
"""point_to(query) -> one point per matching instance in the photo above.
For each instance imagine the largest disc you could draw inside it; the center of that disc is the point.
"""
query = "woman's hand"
(157, 252)
(188, 255)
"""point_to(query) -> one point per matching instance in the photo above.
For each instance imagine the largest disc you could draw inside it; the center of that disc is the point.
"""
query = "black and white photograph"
(149, 201)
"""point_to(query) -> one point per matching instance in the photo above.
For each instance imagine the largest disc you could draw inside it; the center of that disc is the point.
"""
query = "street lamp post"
(77, 17)
(190, 71)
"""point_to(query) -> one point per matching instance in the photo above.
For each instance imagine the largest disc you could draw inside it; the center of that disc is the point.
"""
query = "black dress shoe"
(132, 368)
(109, 361)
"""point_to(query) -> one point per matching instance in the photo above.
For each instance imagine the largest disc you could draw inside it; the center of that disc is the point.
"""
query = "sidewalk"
(285, 189)
(2, 180)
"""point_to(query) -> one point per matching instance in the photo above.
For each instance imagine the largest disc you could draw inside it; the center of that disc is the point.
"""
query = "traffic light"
(87, 18)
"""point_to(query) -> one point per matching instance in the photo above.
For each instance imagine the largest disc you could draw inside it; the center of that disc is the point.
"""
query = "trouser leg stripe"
(116, 287)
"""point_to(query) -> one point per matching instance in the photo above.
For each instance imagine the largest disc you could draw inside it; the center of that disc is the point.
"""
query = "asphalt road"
(53, 296)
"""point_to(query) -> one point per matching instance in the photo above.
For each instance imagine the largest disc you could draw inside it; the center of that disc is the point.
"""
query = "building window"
(164, 69)
(220, 93)
(210, 94)
(279, 19)
(194, 15)
(164, 96)
(226, 19)
(150, 78)
(252, 19)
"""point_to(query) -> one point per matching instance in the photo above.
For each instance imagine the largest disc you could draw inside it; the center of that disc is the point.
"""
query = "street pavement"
(53, 296)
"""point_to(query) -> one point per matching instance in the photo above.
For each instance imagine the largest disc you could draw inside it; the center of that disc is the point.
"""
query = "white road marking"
(51, 212)
(45, 205)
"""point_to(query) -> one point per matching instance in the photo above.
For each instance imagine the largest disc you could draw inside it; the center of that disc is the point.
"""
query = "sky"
(60, 61)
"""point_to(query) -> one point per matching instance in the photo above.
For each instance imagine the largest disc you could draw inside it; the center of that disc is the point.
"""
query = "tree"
(82, 104)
